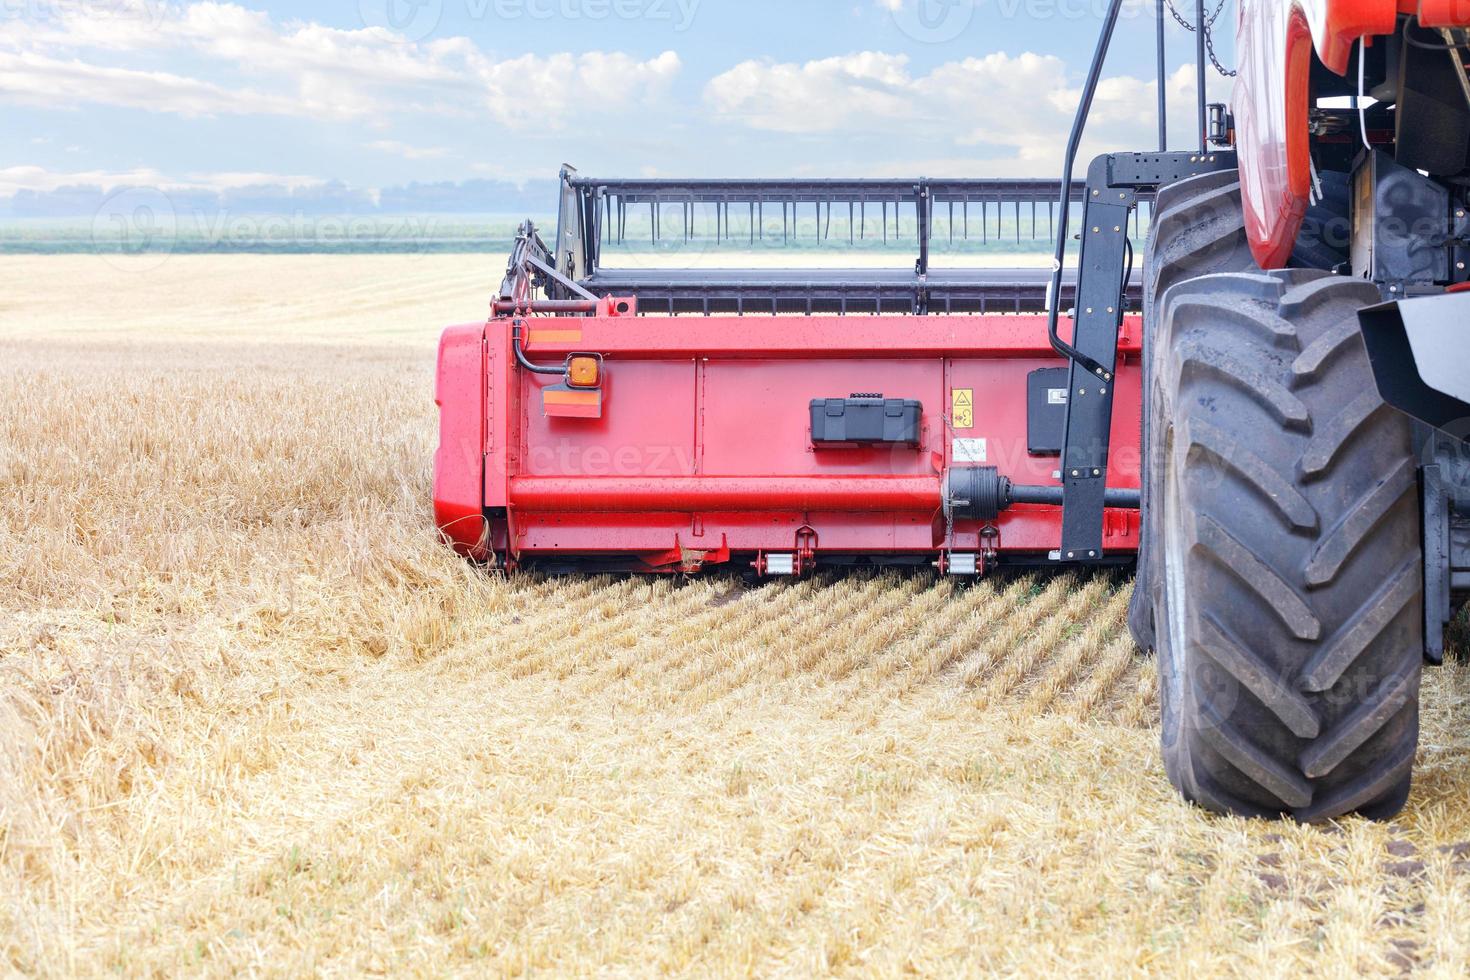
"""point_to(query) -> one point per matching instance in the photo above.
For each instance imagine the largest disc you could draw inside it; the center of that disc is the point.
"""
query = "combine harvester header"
(634, 417)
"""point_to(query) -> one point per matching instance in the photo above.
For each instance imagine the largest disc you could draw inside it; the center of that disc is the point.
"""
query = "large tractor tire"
(1284, 545)
(1325, 238)
(1197, 229)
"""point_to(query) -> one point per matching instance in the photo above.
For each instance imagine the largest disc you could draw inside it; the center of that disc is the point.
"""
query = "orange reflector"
(562, 402)
(582, 372)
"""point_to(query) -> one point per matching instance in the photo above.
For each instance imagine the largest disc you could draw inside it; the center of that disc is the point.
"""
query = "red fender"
(1274, 41)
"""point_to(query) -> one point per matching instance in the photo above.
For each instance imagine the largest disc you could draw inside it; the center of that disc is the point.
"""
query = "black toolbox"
(865, 420)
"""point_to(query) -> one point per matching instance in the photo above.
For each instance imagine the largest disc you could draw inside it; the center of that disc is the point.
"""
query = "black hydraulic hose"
(1127, 274)
(523, 361)
(1079, 123)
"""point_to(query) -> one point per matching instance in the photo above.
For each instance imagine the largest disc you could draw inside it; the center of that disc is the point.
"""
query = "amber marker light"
(583, 372)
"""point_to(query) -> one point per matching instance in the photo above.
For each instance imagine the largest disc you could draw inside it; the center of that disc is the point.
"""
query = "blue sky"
(379, 93)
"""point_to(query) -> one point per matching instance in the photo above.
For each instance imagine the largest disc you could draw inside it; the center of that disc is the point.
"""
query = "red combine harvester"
(1267, 410)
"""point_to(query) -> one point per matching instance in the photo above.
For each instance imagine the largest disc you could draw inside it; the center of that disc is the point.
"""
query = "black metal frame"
(1114, 184)
(595, 212)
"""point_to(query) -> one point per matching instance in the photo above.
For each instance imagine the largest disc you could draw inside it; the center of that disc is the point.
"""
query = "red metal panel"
(756, 415)
(768, 337)
(646, 428)
(1029, 529)
(502, 406)
(1444, 13)
(704, 445)
(1336, 25)
(459, 462)
(700, 494)
(613, 533)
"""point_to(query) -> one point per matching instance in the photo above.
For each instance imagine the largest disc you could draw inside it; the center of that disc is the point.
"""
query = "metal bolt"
(1102, 391)
(1092, 554)
(1095, 229)
(1082, 392)
(1116, 228)
(1459, 265)
(1393, 289)
(1460, 213)
(1089, 309)
(1075, 473)
(1094, 193)
(1110, 309)
(1097, 472)
(1121, 195)
(1071, 554)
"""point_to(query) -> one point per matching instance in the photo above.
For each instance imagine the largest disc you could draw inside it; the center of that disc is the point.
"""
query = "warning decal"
(964, 408)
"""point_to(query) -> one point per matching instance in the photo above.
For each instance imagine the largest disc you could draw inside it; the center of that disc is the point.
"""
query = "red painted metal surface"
(459, 463)
(703, 449)
(1275, 40)
(703, 494)
(1270, 106)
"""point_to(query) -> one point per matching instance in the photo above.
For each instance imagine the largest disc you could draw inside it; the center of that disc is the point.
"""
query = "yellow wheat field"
(254, 718)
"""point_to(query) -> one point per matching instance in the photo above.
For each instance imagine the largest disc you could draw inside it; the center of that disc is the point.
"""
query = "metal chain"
(1209, 33)
(1210, 50)
(1209, 21)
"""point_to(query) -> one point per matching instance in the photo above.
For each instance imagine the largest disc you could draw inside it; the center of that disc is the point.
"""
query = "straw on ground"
(256, 717)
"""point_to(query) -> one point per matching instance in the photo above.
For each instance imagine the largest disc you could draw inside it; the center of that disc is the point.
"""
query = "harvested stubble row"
(256, 717)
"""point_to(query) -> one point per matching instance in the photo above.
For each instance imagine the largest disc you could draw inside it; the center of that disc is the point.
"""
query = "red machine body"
(1276, 41)
(701, 451)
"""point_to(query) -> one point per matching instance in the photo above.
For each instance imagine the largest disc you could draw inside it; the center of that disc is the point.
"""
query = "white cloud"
(408, 150)
(41, 180)
(819, 96)
(299, 68)
(1025, 111)
(33, 79)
